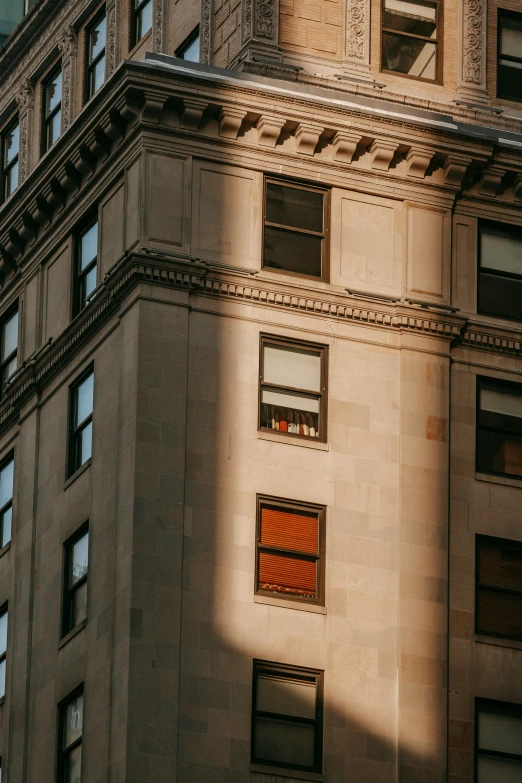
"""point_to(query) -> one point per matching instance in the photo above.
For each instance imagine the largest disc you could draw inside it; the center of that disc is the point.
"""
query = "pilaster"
(472, 75)
(68, 47)
(260, 31)
(205, 31)
(356, 48)
(25, 101)
(110, 60)
(158, 17)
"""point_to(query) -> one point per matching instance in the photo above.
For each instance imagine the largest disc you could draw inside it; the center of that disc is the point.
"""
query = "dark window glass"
(96, 36)
(142, 18)
(499, 587)
(70, 740)
(498, 742)
(293, 394)
(294, 229)
(52, 108)
(287, 717)
(6, 500)
(290, 550)
(410, 38)
(10, 144)
(11, 14)
(3, 649)
(86, 266)
(500, 272)
(499, 428)
(75, 582)
(189, 50)
(509, 75)
(8, 349)
(82, 395)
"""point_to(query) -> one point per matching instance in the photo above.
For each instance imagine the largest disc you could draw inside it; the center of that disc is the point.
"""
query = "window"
(142, 18)
(81, 408)
(75, 582)
(70, 739)
(498, 741)
(294, 231)
(410, 38)
(290, 550)
(287, 716)
(8, 349)
(509, 74)
(189, 50)
(10, 148)
(96, 37)
(6, 500)
(500, 270)
(3, 649)
(498, 596)
(11, 14)
(86, 266)
(52, 105)
(293, 393)
(499, 428)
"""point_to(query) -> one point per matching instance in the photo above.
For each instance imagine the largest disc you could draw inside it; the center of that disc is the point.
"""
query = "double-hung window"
(6, 500)
(287, 717)
(8, 349)
(4, 616)
(96, 39)
(189, 49)
(142, 13)
(80, 422)
(410, 38)
(70, 734)
(10, 148)
(86, 266)
(498, 742)
(11, 14)
(498, 575)
(290, 550)
(499, 428)
(509, 72)
(52, 108)
(292, 388)
(500, 270)
(295, 229)
(75, 582)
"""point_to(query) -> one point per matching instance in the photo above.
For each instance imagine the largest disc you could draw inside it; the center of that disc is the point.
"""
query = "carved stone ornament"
(269, 130)
(157, 25)
(25, 98)
(265, 19)
(418, 159)
(473, 60)
(25, 101)
(207, 11)
(230, 120)
(491, 181)
(381, 153)
(110, 46)
(455, 168)
(68, 46)
(344, 144)
(357, 37)
(307, 137)
(193, 109)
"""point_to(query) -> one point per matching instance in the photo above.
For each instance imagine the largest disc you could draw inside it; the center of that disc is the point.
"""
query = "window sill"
(5, 548)
(79, 472)
(497, 641)
(287, 773)
(277, 437)
(492, 479)
(284, 603)
(72, 634)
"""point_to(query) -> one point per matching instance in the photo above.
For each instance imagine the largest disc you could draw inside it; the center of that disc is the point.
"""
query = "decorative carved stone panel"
(357, 38)
(472, 83)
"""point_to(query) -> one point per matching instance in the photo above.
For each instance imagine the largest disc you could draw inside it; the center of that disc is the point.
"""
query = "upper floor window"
(75, 582)
(86, 266)
(6, 500)
(292, 388)
(10, 148)
(509, 73)
(498, 748)
(8, 349)
(11, 14)
(410, 38)
(96, 39)
(189, 50)
(142, 18)
(70, 737)
(52, 108)
(80, 422)
(294, 231)
(500, 270)
(4, 616)
(499, 428)
(498, 587)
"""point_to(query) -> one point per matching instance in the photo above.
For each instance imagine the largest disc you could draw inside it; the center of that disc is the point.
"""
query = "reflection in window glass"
(6, 501)
(75, 588)
(87, 266)
(82, 401)
(499, 428)
(71, 731)
(499, 742)
(190, 49)
(10, 144)
(96, 60)
(142, 18)
(8, 349)
(52, 108)
(3, 650)
(509, 73)
(410, 37)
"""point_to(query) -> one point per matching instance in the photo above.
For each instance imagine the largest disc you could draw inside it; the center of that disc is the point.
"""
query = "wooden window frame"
(505, 13)
(75, 430)
(479, 540)
(137, 7)
(507, 228)
(90, 65)
(5, 167)
(68, 589)
(324, 234)
(63, 752)
(78, 303)
(46, 118)
(498, 708)
(4, 609)
(9, 504)
(509, 387)
(322, 396)
(297, 506)
(286, 671)
(439, 49)
(5, 360)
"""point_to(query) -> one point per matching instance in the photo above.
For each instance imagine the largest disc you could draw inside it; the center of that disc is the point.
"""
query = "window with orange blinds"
(290, 550)
(498, 587)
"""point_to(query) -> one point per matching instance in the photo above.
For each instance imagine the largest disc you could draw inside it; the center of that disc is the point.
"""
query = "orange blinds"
(290, 530)
(285, 572)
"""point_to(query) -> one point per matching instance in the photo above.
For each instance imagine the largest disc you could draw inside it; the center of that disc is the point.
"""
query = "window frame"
(505, 13)
(500, 708)
(73, 431)
(77, 305)
(4, 609)
(290, 342)
(439, 50)
(298, 506)
(505, 227)
(286, 671)
(5, 167)
(499, 384)
(68, 590)
(189, 40)
(10, 457)
(46, 118)
(502, 541)
(91, 64)
(324, 235)
(62, 753)
(4, 361)
(137, 7)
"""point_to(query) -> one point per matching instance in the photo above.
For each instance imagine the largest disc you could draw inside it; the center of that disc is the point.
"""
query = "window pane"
(287, 575)
(285, 742)
(298, 253)
(84, 396)
(6, 483)
(491, 770)
(54, 92)
(286, 696)
(79, 606)
(87, 286)
(510, 80)
(501, 250)
(499, 613)
(73, 766)
(86, 443)
(79, 559)
(499, 453)
(511, 36)
(73, 720)
(54, 128)
(98, 39)
(10, 336)
(11, 180)
(289, 413)
(500, 732)
(294, 207)
(300, 369)
(88, 246)
(145, 19)
(500, 564)
(192, 51)
(7, 519)
(98, 75)
(290, 530)
(409, 55)
(12, 143)
(3, 632)
(500, 296)
(501, 402)
(2, 678)
(411, 16)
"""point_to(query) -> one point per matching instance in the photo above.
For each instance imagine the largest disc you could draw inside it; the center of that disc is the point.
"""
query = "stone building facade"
(261, 391)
